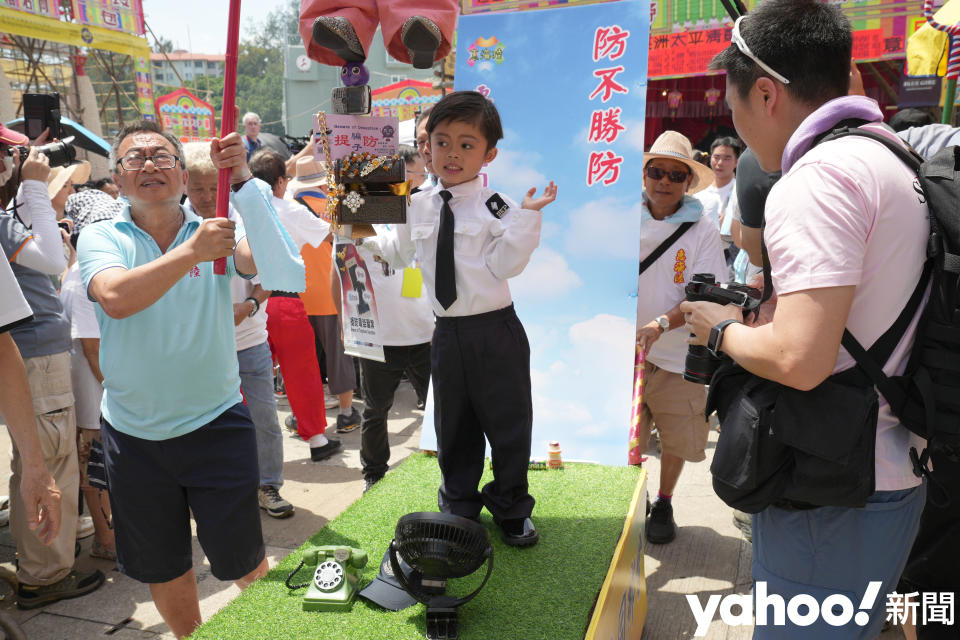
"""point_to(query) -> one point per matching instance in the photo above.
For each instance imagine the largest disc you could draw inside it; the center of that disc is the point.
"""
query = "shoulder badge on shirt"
(497, 206)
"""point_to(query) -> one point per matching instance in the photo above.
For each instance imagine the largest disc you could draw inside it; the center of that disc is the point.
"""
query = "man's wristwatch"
(715, 341)
(256, 306)
(664, 323)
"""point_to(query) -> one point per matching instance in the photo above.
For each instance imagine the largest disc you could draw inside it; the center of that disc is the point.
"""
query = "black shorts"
(154, 486)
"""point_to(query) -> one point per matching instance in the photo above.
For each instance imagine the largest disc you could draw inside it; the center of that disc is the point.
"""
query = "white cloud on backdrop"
(513, 173)
(582, 398)
(608, 226)
(546, 276)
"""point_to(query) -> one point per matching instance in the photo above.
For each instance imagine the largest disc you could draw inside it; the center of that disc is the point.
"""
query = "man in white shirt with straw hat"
(672, 221)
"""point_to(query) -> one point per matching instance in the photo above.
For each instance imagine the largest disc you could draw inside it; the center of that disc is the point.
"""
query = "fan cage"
(441, 545)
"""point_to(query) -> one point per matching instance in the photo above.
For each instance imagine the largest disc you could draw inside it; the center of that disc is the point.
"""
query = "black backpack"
(926, 398)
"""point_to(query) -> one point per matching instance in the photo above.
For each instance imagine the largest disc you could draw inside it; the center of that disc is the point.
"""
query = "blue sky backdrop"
(577, 297)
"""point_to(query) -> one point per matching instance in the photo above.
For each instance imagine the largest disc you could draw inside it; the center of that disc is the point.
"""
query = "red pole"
(228, 117)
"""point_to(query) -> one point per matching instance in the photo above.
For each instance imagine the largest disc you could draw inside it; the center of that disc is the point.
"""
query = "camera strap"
(659, 251)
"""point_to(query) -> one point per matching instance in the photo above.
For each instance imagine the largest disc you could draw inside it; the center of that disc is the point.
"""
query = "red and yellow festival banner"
(118, 15)
(48, 8)
(686, 34)
(141, 65)
(402, 100)
(186, 116)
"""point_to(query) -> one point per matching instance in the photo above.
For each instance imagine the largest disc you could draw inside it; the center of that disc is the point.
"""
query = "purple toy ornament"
(354, 74)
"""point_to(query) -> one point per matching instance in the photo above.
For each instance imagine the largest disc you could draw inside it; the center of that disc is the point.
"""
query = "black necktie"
(446, 282)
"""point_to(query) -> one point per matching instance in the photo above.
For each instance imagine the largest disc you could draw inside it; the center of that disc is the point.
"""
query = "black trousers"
(481, 384)
(379, 381)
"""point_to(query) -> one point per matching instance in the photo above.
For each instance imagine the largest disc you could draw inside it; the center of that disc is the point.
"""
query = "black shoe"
(421, 36)
(519, 532)
(75, 584)
(661, 528)
(337, 34)
(421, 404)
(346, 424)
(322, 453)
(369, 481)
(291, 423)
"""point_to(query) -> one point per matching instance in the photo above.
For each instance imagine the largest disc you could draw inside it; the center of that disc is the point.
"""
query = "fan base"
(442, 623)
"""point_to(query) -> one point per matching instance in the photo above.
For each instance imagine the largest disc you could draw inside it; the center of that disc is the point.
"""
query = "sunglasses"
(745, 50)
(655, 173)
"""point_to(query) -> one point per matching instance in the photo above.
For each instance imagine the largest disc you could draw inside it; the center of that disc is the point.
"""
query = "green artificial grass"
(547, 591)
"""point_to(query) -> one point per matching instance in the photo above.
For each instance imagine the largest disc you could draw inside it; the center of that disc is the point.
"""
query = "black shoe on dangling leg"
(421, 36)
(337, 35)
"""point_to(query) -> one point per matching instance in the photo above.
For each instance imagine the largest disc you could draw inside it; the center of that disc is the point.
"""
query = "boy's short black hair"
(468, 106)
(808, 42)
(727, 141)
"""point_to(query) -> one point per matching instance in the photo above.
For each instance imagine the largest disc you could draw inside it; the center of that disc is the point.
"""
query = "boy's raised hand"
(536, 204)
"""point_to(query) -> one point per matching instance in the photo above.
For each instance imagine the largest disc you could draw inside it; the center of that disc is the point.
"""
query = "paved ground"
(710, 556)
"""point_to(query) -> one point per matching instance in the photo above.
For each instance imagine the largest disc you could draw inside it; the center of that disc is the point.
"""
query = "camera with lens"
(700, 363)
(60, 153)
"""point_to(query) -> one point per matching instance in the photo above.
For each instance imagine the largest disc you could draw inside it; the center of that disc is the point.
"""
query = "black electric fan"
(440, 546)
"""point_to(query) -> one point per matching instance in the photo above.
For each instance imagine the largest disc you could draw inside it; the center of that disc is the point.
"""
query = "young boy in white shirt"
(470, 240)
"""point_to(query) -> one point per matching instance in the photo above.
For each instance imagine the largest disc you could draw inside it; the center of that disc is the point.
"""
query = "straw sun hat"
(75, 173)
(672, 145)
(310, 174)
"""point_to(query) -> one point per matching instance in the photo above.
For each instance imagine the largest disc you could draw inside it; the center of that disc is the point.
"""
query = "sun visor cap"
(385, 589)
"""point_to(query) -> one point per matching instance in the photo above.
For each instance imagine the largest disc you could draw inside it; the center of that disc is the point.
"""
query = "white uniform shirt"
(14, 307)
(486, 250)
(403, 321)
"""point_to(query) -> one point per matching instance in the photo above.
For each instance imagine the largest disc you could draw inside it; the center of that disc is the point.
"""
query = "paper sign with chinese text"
(361, 324)
(348, 134)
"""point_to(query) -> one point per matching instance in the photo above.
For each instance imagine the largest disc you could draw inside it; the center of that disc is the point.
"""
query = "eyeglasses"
(745, 50)
(678, 177)
(160, 161)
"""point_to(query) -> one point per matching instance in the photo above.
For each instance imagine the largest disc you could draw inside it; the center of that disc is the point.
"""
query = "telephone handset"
(333, 585)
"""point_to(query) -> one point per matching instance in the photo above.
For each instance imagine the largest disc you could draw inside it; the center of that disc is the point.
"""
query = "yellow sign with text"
(43, 28)
(622, 605)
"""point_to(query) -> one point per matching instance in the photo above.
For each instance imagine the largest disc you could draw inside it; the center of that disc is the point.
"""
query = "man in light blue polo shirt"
(177, 438)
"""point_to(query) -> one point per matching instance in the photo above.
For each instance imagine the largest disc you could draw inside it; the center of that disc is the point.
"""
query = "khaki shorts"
(676, 407)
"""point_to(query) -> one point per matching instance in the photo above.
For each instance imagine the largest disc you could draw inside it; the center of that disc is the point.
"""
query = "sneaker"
(291, 423)
(331, 401)
(369, 481)
(346, 424)
(75, 584)
(273, 504)
(744, 522)
(322, 453)
(661, 527)
(421, 404)
(102, 551)
(84, 527)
